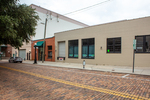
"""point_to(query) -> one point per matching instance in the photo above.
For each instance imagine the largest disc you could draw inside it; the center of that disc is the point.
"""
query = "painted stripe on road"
(125, 75)
(107, 91)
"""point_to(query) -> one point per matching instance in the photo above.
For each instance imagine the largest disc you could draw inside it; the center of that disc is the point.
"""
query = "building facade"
(106, 44)
(49, 49)
(23, 52)
(55, 23)
(6, 51)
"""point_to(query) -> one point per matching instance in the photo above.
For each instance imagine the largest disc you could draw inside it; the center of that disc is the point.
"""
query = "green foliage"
(17, 23)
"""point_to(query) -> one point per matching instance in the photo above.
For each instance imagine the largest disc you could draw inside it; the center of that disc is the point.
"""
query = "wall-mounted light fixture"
(101, 47)
(50, 16)
(47, 14)
(57, 19)
(29, 51)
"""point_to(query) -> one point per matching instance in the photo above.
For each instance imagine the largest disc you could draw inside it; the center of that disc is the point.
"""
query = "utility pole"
(44, 41)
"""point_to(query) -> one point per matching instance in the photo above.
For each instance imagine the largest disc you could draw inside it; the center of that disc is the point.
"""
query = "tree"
(17, 23)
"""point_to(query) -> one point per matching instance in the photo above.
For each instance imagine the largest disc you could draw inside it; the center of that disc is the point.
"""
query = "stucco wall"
(53, 26)
(26, 46)
(127, 30)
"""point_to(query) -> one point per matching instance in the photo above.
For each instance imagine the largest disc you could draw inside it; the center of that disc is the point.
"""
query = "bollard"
(83, 64)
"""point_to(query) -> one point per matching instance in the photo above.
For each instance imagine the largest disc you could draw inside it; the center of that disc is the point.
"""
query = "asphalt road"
(19, 81)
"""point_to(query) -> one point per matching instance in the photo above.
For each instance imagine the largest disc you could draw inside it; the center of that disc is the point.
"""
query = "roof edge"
(107, 23)
(43, 38)
(43, 10)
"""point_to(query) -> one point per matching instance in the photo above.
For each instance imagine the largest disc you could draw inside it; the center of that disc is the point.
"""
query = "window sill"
(113, 52)
(88, 58)
(142, 52)
(73, 57)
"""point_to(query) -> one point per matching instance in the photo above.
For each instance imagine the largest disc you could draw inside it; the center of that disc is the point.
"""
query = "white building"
(56, 23)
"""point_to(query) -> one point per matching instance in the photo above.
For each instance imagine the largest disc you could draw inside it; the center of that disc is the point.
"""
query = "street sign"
(134, 44)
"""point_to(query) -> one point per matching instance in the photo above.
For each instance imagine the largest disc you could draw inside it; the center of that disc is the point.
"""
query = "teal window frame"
(73, 49)
(88, 48)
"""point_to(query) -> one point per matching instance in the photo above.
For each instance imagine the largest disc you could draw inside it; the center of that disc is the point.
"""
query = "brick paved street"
(36, 82)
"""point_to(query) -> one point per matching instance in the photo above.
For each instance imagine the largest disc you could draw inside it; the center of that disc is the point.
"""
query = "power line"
(83, 8)
(87, 7)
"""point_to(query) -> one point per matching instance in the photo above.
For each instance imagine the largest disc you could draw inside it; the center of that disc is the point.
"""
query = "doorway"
(40, 53)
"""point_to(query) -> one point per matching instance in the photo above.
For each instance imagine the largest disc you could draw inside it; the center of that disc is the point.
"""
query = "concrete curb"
(140, 70)
(94, 69)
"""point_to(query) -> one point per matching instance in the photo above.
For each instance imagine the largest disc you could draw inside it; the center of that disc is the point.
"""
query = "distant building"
(106, 44)
(6, 51)
(55, 23)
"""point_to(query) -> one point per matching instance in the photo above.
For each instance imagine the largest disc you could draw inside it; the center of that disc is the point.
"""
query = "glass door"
(40, 52)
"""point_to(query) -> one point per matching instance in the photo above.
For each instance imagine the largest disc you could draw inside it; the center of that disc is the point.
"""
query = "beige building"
(106, 44)
(24, 51)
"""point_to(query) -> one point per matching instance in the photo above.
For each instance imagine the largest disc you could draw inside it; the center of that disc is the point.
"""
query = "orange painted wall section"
(48, 42)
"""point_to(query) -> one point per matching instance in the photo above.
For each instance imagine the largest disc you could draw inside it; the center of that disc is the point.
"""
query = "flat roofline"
(43, 38)
(105, 24)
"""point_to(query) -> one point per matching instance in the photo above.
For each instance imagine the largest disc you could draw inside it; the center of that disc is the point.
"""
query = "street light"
(44, 41)
(35, 61)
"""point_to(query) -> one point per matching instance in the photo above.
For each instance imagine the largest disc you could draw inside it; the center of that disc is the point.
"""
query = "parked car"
(15, 60)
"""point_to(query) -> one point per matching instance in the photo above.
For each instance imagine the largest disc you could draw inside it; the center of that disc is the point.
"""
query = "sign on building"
(134, 44)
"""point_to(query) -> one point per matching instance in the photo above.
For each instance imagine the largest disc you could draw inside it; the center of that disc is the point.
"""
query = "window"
(143, 44)
(88, 48)
(114, 45)
(49, 52)
(73, 48)
(49, 47)
(3, 53)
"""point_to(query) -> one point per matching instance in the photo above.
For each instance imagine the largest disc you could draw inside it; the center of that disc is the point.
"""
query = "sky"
(110, 11)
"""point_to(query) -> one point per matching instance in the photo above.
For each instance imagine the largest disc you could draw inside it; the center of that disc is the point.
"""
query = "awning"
(39, 44)
(3, 45)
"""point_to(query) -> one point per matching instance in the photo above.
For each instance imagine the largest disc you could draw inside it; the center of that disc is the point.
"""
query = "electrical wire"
(82, 9)
(86, 7)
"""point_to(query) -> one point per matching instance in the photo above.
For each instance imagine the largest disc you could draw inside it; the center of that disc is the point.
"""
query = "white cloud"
(113, 10)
